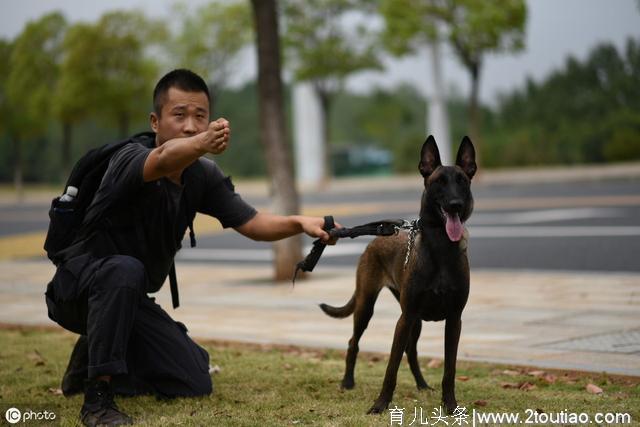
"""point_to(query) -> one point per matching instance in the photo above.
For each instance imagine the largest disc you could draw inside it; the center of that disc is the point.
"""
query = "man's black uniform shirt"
(148, 220)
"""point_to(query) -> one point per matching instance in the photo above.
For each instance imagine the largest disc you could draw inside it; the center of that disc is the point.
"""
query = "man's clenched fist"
(217, 136)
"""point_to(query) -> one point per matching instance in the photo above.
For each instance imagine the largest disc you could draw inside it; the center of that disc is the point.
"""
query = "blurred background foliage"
(66, 87)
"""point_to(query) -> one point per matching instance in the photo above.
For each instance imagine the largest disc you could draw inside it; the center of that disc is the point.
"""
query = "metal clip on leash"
(412, 226)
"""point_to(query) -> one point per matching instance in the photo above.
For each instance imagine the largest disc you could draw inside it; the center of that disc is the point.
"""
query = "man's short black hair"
(182, 79)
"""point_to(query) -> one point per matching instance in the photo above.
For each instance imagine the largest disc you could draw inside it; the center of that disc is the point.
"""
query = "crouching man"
(147, 199)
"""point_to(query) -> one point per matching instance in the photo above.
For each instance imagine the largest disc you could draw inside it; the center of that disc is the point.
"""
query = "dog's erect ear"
(429, 157)
(466, 157)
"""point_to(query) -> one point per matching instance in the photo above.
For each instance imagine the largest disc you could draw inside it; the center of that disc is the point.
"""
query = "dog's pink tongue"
(454, 227)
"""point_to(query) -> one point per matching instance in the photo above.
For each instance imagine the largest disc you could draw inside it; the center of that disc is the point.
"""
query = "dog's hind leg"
(361, 317)
(412, 356)
(368, 287)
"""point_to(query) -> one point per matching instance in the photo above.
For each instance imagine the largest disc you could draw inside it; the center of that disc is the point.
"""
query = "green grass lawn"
(277, 386)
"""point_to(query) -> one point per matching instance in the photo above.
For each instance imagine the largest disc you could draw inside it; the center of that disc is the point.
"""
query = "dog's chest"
(436, 306)
(442, 290)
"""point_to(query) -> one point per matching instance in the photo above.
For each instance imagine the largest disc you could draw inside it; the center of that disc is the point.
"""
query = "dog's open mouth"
(454, 227)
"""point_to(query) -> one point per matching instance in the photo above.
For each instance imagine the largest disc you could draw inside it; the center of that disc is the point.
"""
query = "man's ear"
(153, 121)
(466, 158)
(429, 157)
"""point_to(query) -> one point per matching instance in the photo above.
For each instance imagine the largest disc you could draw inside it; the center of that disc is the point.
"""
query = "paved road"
(591, 226)
(587, 226)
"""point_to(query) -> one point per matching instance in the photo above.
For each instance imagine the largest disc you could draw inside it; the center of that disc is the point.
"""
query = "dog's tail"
(340, 312)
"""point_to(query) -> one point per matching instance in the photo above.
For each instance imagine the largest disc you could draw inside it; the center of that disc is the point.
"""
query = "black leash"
(377, 228)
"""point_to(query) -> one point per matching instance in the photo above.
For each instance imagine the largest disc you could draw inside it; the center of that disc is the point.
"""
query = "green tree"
(76, 94)
(33, 71)
(587, 111)
(5, 52)
(127, 69)
(387, 118)
(632, 75)
(273, 135)
(473, 29)
(244, 156)
(106, 71)
(477, 28)
(5, 110)
(325, 49)
(409, 28)
(210, 39)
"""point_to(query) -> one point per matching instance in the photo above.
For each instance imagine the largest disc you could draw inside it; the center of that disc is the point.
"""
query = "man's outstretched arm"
(269, 227)
(178, 153)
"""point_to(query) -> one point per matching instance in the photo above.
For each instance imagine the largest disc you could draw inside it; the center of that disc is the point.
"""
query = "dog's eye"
(460, 179)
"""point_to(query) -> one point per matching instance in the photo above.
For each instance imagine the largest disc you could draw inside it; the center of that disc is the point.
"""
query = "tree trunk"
(437, 109)
(284, 197)
(308, 134)
(474, 111)
(65, 164)
(325, 106)
(17, 169)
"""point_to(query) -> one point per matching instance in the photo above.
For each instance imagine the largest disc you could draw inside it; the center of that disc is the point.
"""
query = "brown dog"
(432, 285)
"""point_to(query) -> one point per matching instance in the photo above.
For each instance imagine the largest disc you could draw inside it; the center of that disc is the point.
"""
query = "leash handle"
(329, 223)
(309, 263)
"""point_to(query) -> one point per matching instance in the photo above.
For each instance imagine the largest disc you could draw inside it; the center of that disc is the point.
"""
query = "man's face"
(183, 114)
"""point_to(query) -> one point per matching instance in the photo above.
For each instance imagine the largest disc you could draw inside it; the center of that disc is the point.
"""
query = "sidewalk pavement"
(572, 320)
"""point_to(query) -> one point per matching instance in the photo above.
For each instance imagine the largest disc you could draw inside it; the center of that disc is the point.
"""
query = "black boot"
(99, 409)
(75, 377)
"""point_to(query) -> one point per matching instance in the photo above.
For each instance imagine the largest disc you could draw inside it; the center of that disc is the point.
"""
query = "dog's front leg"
(451, 337)
(400, 340)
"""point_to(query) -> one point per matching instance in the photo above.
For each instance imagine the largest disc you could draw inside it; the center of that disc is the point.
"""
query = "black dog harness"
(378, 228)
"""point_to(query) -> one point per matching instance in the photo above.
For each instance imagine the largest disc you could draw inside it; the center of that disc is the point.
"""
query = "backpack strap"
(173, 279)
(195, 172)
(173, 284)
(192, 235)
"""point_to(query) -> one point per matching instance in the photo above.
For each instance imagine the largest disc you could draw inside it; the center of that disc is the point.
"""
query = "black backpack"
(66, 217)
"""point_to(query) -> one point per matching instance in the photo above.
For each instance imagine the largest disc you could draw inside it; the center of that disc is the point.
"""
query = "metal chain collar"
(413, 228)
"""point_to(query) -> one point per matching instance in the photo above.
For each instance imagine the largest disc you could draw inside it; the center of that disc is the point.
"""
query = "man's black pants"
(129, 336)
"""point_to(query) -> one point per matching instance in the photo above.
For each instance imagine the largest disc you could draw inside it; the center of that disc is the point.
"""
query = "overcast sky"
(555, 29)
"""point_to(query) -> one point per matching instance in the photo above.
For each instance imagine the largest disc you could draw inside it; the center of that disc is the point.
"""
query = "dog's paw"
(378, 407)
(347, 384)
(450, 406)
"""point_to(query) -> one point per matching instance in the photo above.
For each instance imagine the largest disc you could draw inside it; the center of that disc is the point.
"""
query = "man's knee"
(199, 380)
(120, 271)
(201, 384)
